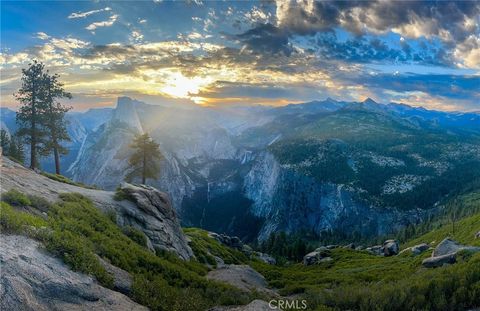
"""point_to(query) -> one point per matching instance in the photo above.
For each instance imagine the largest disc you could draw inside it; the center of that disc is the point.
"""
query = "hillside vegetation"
(357, 280)
(76, 231)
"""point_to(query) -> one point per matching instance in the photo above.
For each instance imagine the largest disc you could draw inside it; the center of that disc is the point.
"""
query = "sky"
(422, 53)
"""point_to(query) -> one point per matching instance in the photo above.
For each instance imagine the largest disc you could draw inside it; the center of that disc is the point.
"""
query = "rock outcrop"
(449, 246)
(153, 214)
(241, 276)
(149, 210)
(319, 255)
(33, 280)
(446, 253)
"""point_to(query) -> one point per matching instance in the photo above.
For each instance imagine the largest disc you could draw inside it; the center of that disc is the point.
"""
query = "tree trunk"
(33, 145)
(33, 137)
(57, 160)
(144, 171)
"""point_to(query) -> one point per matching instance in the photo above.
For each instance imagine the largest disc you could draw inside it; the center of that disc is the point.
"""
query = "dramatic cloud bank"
(424, 53)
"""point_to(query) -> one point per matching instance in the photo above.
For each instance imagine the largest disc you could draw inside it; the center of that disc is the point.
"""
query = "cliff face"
(288, 200)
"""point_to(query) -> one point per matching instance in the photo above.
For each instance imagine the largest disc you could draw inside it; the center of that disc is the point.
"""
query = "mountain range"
(359, 169)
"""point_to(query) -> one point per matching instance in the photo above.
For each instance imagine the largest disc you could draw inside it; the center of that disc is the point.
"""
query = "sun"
(179, 86)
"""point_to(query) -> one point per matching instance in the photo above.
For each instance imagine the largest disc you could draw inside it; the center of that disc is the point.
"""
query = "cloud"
(85, 14)
(265, 39)
(450, 22)
(42, 36)
(107, 23)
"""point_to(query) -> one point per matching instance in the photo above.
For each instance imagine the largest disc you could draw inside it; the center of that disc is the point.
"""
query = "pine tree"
(54, 119)
(144, 161)
(29, 116)
(4, 141)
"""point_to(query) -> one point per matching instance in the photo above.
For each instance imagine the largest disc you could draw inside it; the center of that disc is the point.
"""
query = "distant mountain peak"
(126, 112)
(369, 101)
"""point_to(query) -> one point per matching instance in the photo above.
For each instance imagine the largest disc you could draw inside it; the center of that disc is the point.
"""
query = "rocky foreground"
(31, 279)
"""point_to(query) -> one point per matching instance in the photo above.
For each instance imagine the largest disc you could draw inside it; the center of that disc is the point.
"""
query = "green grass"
(66, 180)
(78, 231)
(12, 221)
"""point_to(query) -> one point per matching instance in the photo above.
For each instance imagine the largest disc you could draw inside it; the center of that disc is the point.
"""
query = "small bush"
(39, 203)
(12, 221)
(16, 198)
(121, 195)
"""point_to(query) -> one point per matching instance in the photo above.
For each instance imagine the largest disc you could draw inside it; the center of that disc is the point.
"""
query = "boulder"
(477, 236)
(420, 248)
(449, 246)
(241, 276)
(439, 261)
(375, 250)
(446, 252)
(315, 257)
(390, 248)
(350, 246)
(31, 279)
(153, 214)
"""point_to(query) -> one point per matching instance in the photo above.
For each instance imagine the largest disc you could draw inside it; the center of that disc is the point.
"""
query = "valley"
(317, 166)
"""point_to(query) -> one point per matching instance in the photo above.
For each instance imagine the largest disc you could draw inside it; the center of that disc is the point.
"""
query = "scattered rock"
(375, 250)
(420, 248)
(316, 256)
(233, 242)
(265, 258)
(390, 248)
(33, 280)
(359, 248)
(241, 276)
(439, 261)
(122, 280)
(417, 249)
